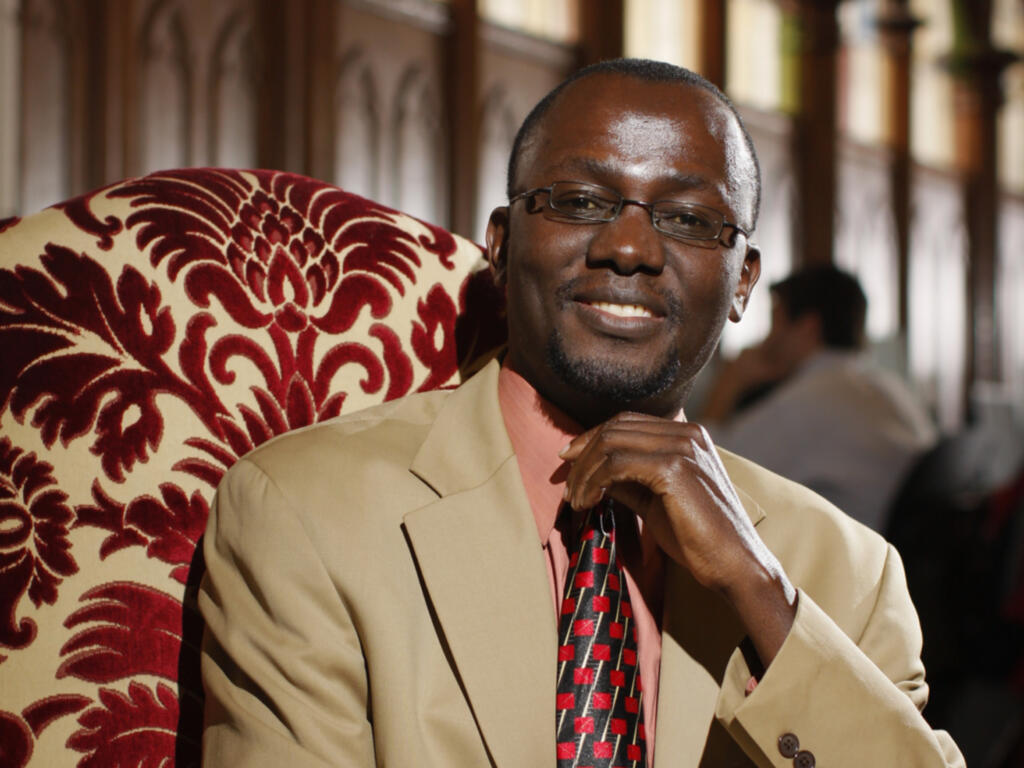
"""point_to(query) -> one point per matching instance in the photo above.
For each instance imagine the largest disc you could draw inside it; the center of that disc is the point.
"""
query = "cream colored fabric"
(375, 595)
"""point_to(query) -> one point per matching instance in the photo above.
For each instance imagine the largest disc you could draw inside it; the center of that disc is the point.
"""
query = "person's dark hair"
(640, 69)
(833, 295)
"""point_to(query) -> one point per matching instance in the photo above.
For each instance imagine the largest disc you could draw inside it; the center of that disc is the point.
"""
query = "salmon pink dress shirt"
(538, 431)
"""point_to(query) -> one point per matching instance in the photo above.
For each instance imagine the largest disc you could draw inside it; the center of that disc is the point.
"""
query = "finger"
(656, 436)
(640, 422)
(609, 440)
(667, 440)
(651, 470)
(621, 428)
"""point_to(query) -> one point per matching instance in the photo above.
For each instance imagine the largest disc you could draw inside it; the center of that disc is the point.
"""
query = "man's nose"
(629, 243)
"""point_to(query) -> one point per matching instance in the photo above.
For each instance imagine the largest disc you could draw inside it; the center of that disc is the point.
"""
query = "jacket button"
(789, 745)
(803, 759)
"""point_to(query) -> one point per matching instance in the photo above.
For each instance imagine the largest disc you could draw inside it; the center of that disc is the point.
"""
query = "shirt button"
(789, 744)
(804, 759)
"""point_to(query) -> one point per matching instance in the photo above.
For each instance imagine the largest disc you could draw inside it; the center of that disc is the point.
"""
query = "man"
(831, 420)
(386, 589)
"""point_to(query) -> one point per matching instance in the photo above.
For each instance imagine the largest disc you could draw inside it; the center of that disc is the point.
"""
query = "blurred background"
(891, 132)
(891, 138)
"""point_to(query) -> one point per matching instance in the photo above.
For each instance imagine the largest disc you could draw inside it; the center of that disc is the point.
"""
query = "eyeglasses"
(697, 224)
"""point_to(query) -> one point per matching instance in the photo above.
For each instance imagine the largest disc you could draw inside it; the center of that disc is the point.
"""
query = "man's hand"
(669, 473)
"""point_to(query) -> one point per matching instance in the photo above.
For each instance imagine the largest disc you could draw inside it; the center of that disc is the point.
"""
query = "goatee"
(609, 380)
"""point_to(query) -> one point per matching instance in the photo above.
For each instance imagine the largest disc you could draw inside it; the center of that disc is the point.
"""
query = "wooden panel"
(10, 111)
(462, 72)
(712, 40)
(897, 29)
(119, 75)
(816, 36)
(320, 66)
(601, 30)
(264, 71)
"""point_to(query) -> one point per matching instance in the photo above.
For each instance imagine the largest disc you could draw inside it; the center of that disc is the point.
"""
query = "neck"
(589, 409)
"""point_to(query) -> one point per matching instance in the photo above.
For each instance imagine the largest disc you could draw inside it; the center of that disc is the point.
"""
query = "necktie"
(599, 718)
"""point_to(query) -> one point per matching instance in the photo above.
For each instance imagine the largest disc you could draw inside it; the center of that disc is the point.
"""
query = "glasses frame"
(624, 201)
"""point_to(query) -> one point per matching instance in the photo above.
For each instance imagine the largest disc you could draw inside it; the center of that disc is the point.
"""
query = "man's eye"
(579, 202)
(687, 219)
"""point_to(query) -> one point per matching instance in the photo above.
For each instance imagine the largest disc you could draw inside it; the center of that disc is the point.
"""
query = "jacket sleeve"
(282, 666)
(849, 703)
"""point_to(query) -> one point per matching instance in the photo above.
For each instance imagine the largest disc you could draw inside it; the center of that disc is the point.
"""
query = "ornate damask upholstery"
(151, 333)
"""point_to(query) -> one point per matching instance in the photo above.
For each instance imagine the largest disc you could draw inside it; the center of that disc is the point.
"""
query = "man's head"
(619, 315)
(748, 169)
(814, 308)
(832, 296)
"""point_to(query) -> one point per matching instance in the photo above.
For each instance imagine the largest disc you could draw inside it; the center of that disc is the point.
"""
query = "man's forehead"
(640, 121)
(642, 134)
(625, 102)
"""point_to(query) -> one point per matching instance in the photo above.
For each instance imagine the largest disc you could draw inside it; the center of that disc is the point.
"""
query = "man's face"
(612, 316)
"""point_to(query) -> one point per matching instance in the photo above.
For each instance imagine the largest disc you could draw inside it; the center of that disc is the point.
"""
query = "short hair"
(639, 69)
(833, 295)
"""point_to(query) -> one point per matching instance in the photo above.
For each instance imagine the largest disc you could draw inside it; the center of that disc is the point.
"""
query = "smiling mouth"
(621, 310)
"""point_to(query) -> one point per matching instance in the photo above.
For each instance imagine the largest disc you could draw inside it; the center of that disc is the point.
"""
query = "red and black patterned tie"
(599, 718)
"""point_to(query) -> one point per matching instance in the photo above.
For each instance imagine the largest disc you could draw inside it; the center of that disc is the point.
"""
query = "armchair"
(151, 333)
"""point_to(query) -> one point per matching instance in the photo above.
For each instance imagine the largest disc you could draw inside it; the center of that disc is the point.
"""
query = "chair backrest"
(151, 333)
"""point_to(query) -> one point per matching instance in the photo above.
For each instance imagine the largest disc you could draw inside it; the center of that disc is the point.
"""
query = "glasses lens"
(693, 222)
(582, 201)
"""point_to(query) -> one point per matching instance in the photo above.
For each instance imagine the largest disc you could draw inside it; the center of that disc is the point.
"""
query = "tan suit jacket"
(376, 595)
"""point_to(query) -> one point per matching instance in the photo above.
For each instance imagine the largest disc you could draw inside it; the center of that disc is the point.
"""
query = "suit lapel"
(699, 634)
(482, 564)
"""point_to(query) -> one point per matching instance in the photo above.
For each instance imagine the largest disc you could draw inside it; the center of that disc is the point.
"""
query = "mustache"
(566, 292)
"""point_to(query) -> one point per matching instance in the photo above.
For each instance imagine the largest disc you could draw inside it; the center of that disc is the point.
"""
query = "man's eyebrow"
(594, 166)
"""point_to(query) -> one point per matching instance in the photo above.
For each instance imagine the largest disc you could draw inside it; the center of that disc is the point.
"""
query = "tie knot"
(605, 513)
(599, 518)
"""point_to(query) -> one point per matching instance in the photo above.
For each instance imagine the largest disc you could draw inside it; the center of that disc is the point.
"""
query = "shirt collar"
(538, 431)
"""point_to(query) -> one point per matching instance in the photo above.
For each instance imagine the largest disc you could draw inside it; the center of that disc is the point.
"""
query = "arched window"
(232, 95)
(357, 138)
(165, 99)
(45, 104)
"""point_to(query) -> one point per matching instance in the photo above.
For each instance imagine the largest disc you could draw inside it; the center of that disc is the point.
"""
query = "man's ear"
(750, 272)
(496, 242)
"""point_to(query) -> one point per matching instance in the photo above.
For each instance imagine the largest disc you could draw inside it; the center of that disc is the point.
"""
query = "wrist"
(765, 604)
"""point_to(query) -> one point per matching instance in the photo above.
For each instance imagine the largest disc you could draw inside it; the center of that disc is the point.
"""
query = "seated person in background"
(808, 404)
(550, 566)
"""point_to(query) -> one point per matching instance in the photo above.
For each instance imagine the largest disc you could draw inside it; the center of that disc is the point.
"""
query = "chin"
(609, 379)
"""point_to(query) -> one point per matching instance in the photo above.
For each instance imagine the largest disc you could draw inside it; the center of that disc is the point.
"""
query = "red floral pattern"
(34, 546)
(164, 327)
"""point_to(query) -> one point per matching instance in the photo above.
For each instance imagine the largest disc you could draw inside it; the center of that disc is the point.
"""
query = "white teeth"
(622, 310)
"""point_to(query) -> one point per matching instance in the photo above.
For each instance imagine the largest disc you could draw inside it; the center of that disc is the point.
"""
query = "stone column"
(896, 25)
